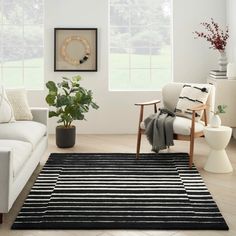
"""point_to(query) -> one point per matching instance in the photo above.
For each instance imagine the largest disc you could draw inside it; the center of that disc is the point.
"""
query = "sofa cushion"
(27, 131)
(21, 151)
(6, 111)
(182, 126)
(19, 103)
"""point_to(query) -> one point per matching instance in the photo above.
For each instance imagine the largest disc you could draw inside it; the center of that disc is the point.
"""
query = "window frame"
(130, 68)
(23, 27)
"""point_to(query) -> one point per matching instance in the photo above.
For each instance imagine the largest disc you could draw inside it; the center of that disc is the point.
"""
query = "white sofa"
(22, 144)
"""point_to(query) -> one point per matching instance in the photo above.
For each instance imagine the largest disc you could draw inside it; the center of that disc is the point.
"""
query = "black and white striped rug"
(116, 191)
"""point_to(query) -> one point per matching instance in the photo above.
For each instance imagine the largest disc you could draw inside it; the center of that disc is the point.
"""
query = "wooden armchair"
(184, 128)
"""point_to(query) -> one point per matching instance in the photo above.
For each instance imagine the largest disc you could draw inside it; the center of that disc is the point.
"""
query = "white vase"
(215, 121)
(222, 61)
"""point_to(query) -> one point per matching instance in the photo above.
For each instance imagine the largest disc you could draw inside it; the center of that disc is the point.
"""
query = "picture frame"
(75, 49)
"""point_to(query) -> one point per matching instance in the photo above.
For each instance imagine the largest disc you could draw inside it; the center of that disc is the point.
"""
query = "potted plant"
(70, 101)
(215, 120)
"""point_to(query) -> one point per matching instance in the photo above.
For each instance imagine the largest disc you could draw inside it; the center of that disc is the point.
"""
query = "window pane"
(140, 37)
(1, 13)
(140, 42)
(140, 79)
(12, 77)
(140, 58)
(161, 58)
(21, 43)
(33, 12)
(150, 3)
(119, 37)
(13, 57)
(1, 57)
(12, 36)
(160, 77)
(33, 78)
(33, 36)
(0, 32)
(119, 57)
(140, 15)
(119, 15)
(160, 13)
(33, 56)
(120, 1)
(142, 2)
(12, 12)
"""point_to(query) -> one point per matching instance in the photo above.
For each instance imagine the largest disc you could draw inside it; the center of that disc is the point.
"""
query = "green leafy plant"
(220, 109)
(69, 99)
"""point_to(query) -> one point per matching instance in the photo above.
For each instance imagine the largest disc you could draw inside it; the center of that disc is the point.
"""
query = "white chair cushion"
(21, 151)
(19, 102)
(182, 126)
(27, 131)
(6, 111)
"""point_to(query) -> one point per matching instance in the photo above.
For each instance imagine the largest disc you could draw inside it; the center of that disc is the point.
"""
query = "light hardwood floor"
(221, 186)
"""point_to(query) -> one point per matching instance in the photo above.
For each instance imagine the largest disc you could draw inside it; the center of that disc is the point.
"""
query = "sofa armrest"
(40, 114)
(6, 178)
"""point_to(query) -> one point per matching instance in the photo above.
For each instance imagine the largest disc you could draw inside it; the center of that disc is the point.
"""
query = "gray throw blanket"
(159, 129)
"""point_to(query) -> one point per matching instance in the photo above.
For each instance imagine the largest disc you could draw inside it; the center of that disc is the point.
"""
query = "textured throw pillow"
(18, 100)
(6, 111)
(192, 96)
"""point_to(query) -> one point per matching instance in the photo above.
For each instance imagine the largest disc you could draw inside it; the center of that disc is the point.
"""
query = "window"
(21, 43)
(140, 44)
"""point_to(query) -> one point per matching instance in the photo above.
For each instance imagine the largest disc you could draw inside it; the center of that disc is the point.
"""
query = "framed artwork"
(75, 49)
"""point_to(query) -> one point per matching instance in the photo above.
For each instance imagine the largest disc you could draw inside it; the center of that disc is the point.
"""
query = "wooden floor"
(221, 186)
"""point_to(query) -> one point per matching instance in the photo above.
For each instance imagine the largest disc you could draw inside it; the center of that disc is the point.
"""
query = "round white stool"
(218, 139)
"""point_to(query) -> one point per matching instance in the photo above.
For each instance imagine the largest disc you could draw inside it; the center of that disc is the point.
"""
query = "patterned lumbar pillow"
(19, 102)
(6, 111)
(192, 96)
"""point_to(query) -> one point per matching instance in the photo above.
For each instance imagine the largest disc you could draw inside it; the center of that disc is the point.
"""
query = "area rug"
(116, 191)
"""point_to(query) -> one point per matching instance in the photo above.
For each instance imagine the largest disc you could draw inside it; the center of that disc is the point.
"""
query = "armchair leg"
(192, 140)
(191, 151)
(138, 143)
(1, 218)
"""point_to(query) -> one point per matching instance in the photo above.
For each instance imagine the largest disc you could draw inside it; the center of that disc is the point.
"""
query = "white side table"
(218, 139)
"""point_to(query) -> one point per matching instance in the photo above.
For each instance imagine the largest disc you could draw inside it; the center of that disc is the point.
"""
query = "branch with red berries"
(215, 36)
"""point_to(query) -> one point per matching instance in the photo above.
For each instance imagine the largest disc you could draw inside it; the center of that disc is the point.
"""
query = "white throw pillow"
(6, 111)
(19, 102)
(190, 97)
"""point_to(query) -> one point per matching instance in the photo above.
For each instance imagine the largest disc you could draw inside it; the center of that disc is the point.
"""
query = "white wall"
(231, 21)
(231, 48)
(192, 59)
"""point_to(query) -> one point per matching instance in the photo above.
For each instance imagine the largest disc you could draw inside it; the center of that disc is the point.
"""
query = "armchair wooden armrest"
(153, 102)
(142, 104)
(198, 108)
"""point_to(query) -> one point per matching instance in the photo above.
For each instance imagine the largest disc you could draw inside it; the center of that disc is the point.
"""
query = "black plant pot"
(65, 137)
